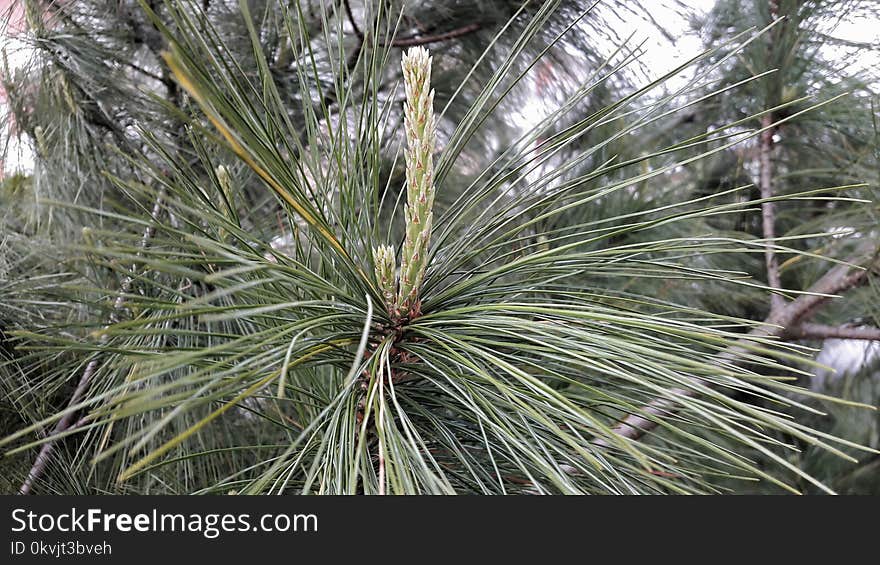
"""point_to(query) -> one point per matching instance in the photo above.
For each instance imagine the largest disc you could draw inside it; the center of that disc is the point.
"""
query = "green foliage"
(236, 166)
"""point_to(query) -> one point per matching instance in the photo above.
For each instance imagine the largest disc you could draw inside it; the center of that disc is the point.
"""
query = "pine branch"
(426, 39)
(822, 331)
(768, 207)
(67, 422)
(354, 26)
(148, 36)
(414, 41)
(785, 320)
(836, 281)
(768, 214)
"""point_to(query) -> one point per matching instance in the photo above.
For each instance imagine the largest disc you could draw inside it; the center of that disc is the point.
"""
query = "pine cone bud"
(383, 257)
(225, 181)
(419, 156)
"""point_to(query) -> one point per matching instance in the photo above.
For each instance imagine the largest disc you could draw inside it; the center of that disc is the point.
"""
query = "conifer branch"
(768, 214)
(426, 39)
(822, 331)
(350, 15)
(67, 421)
(836, 281)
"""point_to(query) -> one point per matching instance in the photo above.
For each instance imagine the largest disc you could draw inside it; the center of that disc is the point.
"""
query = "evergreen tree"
(808, 58)
(310, 247)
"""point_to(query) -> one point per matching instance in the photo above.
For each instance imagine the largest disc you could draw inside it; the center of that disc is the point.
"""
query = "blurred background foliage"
(116, 141)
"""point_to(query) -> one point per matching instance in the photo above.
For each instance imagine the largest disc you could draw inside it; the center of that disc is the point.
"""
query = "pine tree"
(819, 129)
(308, 248)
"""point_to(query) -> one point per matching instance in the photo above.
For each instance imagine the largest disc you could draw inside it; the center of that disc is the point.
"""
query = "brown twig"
(426, 39)
(821, 331)
(768, 213)
(354, 26)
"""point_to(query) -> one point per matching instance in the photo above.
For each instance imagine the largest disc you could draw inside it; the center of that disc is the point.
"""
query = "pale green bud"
(225, 181)
(386, 267)
(419, 157)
